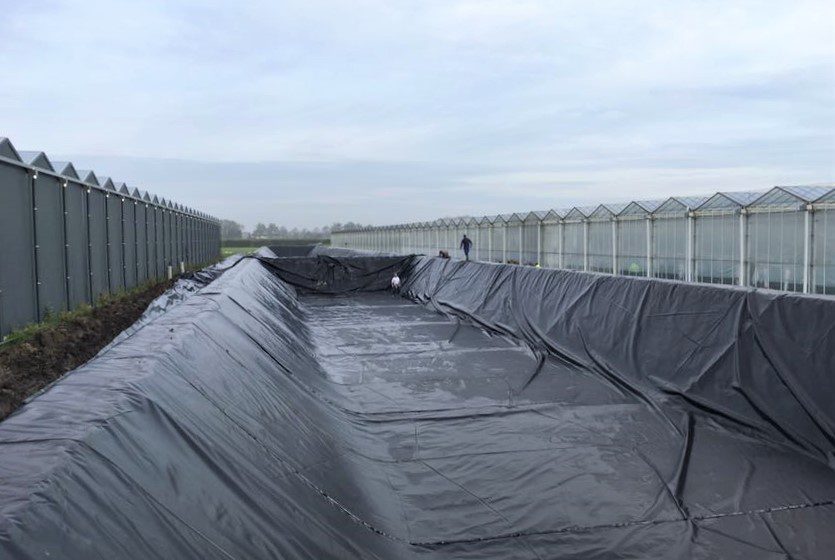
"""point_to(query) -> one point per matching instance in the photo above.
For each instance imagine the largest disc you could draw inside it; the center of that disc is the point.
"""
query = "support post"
(136, 244)
(614, 245)
(560, 243)
(32, 179)
(124, 266)
(66, 245)
(539, 243)
(89, 246)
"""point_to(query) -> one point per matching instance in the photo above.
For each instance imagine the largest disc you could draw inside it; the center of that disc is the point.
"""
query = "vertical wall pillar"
(122, 222)
(36, 272)
(107, 240)
(807, 249)
(539, 243)
(90, 294)
(560, 242)
(135, 244)
(614, 246)
(65, 233)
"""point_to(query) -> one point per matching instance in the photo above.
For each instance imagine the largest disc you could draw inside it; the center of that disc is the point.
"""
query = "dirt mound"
(52, 350)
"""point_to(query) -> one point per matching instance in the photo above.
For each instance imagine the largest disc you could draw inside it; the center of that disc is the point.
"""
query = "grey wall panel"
(151, 228)
(195, 240)
(178, 226)
(159, 225)
(99, 283)
(129, 231)
(141, 244)
(198, 241)
(178, 241)
(115, 243)
(17, 257)
(75, 200)
(192, 238)
(195, 253)
(169, 238)
(49, 243)
(66, 243)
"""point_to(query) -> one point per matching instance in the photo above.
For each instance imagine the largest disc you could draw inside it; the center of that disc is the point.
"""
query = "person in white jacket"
(395, 284)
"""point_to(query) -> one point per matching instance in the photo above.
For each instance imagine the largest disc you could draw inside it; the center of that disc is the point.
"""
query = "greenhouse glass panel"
(717, 248)
(775, 250)
(600, 246)
(497, 243)
(530, 235)
(669, 248)
(483, 242)
(573, 239)
(823, 251)
(551, 245)
(632, 247)
(513, 238)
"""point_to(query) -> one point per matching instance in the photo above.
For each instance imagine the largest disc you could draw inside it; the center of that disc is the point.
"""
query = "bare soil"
(28, 365)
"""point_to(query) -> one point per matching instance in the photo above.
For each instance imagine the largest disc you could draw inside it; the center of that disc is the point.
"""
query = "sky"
(384, 111)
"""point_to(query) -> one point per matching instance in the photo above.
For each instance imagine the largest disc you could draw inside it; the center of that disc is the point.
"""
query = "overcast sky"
(310, 112)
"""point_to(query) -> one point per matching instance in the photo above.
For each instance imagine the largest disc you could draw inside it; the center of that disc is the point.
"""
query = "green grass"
(261, 242)
(226, 251)
(52, 319)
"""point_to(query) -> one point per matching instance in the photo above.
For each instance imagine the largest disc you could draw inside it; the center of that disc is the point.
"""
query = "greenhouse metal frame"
(782, 238)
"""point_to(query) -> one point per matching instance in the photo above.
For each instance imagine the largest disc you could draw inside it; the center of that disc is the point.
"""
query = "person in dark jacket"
(466, 243)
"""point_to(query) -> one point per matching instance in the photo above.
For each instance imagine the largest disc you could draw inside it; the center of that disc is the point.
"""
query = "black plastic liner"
(332, 275)
(519, 413)
(291, 250)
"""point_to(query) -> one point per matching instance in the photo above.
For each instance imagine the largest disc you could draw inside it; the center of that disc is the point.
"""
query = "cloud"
(454, 95)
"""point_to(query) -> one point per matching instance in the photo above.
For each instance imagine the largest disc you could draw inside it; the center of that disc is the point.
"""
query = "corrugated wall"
(66, 243)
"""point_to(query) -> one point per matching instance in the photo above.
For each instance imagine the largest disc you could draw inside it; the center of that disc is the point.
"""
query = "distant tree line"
(230, 229)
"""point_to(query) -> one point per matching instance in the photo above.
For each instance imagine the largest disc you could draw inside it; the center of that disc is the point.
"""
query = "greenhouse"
(782, 238)
(72, 236)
